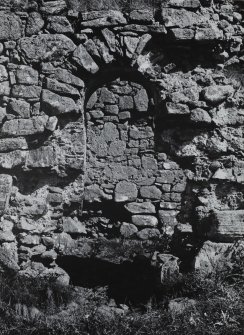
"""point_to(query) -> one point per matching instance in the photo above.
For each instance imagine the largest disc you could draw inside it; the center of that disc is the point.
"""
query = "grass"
(219, 309)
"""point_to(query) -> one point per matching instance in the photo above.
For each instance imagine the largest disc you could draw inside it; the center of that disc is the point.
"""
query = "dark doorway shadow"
(129, 282)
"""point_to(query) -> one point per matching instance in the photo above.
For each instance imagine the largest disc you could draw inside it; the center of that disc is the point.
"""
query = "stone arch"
(121, 154)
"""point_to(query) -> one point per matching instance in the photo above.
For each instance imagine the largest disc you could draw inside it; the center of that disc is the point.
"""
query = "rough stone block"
(150, 192)
(84, 59)
(55, 104)
(148, 234)
(10, 144)
(45, 47)
(227, 225)
(27, 75)
(140, 208)
(22, 127)
(141, 101)
(168, 219)
(128, 230)
(10, 26)
(125, 191)
(26, 92)
(73, 226)
(215, 94)
(5, 191)
(20, 108)
(144, 220)
(3, 73)
(180, 18)
(34, 24)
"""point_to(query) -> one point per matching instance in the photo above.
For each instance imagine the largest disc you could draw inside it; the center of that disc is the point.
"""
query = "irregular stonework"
(119, 126)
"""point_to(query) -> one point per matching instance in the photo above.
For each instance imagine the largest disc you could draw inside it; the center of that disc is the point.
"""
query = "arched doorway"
(122, 194)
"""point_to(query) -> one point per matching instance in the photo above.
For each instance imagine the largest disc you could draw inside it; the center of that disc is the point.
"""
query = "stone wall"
(135, 116)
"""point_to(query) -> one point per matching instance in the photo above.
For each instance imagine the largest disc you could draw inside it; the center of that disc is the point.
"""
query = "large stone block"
(5, 191)
(26, 75)
(23, 127)
(140, 208)
(84, 59)
(227, 225)
(125, 191)
(26, 92)
(10, 26)
(10, 144)
(180, 18)
(45, 47)
(55, 104)
(144, 220)
(42, 157)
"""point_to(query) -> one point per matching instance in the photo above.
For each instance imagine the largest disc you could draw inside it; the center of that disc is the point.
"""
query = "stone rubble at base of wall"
(184, 162)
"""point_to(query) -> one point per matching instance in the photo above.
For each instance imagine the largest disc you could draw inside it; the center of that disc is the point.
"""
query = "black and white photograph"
(121, 167)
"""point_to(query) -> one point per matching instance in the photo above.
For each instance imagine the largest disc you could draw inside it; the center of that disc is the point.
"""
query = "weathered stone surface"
(210, 33)
(4, 88)
(168, 219)
(12, 159)
(22, 127)
(9, 257)
(3, 73)
(141, 101)
(150, 192)
(45, 47)
(217, 93)
(63, 75)
(140, 208)
(61, 88)
(5, 191)
(199, 115)
(45, 156)
(173, 108)
(84, 59)
(26, 75)
(184, 3)
(20, 108)
(227, 225)
(73, 226)
(53, 7)
(141, 15)
(110, 39)
(144, 220)
(102, 18)
(169, 265)
(10, 144)
(211, 258)
(10, 26)
(59, 24)
(34, 23)
(183, 33)
(26, 92)
(125, 191)
(55, 104)
(148, 234)
(181, 305)
(128, 230)
(180, 18)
